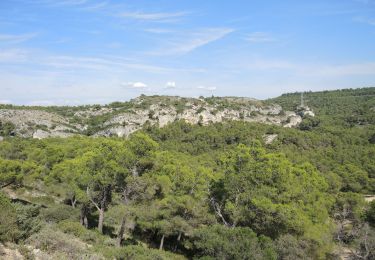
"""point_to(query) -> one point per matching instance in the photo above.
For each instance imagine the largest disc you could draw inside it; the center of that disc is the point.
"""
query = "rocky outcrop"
(41, 134)
(156, 110)
(304, 111)
(36, 123)
(125, 123)
(293, 121)
(268, 139)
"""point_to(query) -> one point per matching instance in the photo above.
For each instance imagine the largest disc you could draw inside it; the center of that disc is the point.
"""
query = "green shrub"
(59, 245)
(28, 219)
(200, 110)
(137, 253)
(59, 213)
(308, 123)
(76, 229)
(370, 214)
(289, 247)
(221, 242)
(8, 220)
(42, 200)
(7, 128)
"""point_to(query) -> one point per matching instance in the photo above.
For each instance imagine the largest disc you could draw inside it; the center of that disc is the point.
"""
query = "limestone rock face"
(308, 113)
(41, 134)
(268, 139)
(305, 111)
(294, 121)
(32, 122)
(123, 119)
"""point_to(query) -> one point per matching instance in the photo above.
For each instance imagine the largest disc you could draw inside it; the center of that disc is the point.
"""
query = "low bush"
(137, 253)
(8, 220)
(76, 229)
(58, 213)
(59, 245)
(220, 242)
(28, 220)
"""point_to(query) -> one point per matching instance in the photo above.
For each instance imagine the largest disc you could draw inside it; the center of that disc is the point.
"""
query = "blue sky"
(99, 51)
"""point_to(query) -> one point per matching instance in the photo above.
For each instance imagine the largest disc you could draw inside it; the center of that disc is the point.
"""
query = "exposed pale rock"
(268, 139)
(26, 121)
(151, 110)
(294, 121)
(308, 113)
(41, 134)
(120, 131)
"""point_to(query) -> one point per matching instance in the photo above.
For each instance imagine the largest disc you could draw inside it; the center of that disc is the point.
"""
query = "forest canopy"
(190, 191)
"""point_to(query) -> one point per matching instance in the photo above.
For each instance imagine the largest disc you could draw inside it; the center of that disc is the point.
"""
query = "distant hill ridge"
(123, 118)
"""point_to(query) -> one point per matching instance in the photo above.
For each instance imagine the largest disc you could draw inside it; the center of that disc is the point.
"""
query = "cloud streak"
(153, 16)
(79, 64)
(62, 2)
(13, 56)
(170, 85)
(369, 21)
(135, 85)
(189, 41)
(260, 37)
(207, 88)
(355, 69)
(16, 38)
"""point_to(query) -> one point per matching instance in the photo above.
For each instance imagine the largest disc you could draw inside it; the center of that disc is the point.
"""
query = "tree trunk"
(178, 241)
(83, 218)
(135, 171)
(101, 220)
(161, 243)
(85, 222)
(74, 201)
(121, 232)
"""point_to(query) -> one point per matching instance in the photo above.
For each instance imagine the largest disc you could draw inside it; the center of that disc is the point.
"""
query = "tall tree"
(264, 190)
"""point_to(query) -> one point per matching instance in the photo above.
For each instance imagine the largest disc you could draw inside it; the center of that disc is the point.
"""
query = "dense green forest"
(220, 191)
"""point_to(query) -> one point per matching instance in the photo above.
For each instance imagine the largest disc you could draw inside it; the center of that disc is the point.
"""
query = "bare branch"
(91, 199)
(217, 209)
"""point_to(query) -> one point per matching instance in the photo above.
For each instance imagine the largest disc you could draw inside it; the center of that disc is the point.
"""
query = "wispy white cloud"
(366, 1)
(170, 84)
(153, 16)
(61, 2)
(136, 85)
(341, 70)
(260, 37)
(13, 55)
(186, 42)
(16, 38)
(80, 64)
(207, 88)
(158, 30)
(370, 21)
(269, 64)
(114, 45)
(318, 70)
(71, 2)
(95, 6)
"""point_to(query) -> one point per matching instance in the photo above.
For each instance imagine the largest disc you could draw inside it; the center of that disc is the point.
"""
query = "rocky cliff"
(123, 118)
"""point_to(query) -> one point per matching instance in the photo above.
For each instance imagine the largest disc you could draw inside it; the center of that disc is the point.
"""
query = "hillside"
(189, 188)
(346, 107)
(121, 119)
